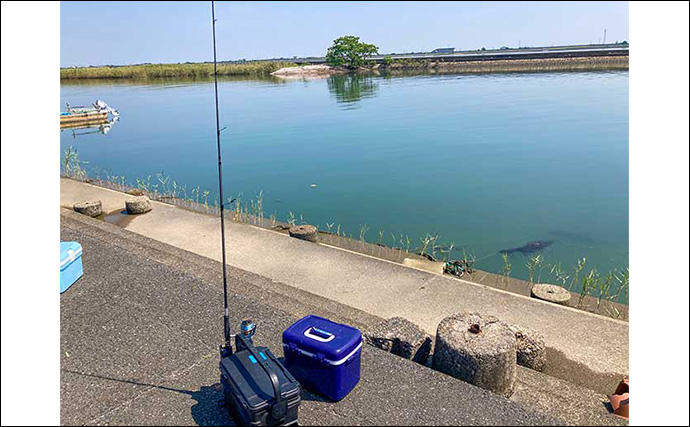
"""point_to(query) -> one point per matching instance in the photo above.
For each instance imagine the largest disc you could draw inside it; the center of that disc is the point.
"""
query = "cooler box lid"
(69, 252)
(316, 335)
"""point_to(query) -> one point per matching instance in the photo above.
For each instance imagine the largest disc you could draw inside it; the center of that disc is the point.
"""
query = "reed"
(590, 282)
(506, 269)
(578, 269)
(623, 281)
(535, 264)
(153, 71)
(363, 229)
(71, 165)
(291, 219)
(603, 291)
(558, 273)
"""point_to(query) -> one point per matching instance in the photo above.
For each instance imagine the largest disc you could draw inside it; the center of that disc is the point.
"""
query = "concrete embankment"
(592, 63)
(432, 66)
(139, 336)
(585, 349)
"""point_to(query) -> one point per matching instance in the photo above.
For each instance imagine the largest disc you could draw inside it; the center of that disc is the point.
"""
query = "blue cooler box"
(323, 356)
(70, 264)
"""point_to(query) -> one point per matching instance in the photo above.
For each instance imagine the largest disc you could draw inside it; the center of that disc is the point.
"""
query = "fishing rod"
(226, 318)
(249, 367)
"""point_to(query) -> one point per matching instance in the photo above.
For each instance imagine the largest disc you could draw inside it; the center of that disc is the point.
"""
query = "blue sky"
(99, 33)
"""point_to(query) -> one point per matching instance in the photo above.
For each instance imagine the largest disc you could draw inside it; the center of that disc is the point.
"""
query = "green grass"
(152, 71)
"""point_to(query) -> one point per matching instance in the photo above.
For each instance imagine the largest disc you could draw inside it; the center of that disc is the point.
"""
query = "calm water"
(489, 162)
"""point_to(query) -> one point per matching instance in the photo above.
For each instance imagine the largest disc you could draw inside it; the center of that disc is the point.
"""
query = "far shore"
(289, 70)
(186, 70)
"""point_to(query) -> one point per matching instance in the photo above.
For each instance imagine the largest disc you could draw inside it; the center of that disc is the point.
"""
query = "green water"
(488, 162)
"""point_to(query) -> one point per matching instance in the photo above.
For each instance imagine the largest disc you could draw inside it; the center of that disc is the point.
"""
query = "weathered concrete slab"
(432, 266)
(592, 350)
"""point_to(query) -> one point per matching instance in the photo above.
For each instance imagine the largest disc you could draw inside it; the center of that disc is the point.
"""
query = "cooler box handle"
(319, 335)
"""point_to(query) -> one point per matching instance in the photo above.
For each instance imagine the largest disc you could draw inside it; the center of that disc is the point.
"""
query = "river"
(487, 162)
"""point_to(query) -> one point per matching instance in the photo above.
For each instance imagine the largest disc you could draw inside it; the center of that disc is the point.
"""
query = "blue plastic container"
(70, 264)
(323, 356)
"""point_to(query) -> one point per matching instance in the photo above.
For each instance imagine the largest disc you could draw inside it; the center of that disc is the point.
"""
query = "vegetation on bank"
(598, 292)
(349, 52)
(196, 70)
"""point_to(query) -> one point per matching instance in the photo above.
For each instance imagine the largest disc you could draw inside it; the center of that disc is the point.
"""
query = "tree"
(349, 52)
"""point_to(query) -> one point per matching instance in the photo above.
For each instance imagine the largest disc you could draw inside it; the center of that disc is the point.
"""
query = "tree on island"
(349, 52)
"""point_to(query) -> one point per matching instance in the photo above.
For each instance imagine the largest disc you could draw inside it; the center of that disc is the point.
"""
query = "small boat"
(92, 127)
(97, 113)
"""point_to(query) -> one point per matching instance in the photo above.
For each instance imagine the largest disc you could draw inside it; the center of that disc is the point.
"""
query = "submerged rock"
(529, 248)
(402, 338)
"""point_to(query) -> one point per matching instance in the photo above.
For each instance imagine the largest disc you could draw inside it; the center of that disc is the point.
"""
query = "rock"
(138, 205)
(304, 232)
(477, 349)
(531, 348)
(135, 192)
(551, 293)
(92, 208)
(402, 338)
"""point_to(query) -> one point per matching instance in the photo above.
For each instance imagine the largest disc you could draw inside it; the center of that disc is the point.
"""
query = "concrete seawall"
(586, 349)
(513, 65)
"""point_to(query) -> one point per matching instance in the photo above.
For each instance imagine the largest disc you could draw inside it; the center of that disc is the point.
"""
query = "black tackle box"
(250, 377)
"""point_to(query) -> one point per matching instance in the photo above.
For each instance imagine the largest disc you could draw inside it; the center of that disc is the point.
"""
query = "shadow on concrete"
(209, 410)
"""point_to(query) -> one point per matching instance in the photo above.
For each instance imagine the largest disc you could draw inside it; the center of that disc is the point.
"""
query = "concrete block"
(551, 293)
(138, 205)
(135, 192)
(304, 232)
(531, 348)
(91, 208)
(400, 337)
(477, 349)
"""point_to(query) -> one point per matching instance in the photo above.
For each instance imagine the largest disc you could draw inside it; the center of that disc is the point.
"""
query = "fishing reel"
(248, 328)
(247, 331)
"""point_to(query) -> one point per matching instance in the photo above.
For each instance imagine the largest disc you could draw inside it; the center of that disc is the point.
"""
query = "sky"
(119, 33)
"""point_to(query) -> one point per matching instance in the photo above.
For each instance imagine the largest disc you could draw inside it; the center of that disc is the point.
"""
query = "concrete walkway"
(585, 349)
